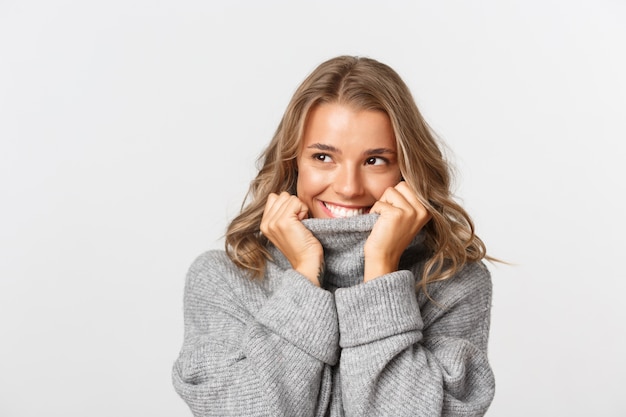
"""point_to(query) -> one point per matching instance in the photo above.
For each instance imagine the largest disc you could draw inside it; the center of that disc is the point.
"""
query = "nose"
(348, 182)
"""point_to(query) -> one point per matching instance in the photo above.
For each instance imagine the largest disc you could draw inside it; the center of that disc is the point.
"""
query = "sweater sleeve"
(273, 359)
(402, 360)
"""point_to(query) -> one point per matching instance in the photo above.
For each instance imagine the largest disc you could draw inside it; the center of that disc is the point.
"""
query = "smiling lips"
(339, 211)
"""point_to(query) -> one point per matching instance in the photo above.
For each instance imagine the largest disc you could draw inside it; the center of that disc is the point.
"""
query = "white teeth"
(337, 211)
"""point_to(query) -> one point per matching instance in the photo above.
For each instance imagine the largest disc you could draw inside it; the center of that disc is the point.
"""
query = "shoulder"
(212, 261)
(213, 279)
(213, 272)
(471, 285)
(209, 265)
(470, 278)
(459, 306)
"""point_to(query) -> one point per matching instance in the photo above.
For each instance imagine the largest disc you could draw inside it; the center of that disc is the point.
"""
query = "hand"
(402, 216)
(282, 225)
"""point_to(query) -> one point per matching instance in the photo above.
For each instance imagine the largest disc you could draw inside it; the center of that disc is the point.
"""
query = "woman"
(352, 283)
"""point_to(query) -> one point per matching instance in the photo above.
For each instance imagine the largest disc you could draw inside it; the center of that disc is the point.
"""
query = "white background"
(128, 136)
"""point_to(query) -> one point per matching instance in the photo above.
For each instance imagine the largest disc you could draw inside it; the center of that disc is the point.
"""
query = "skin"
(347, 165)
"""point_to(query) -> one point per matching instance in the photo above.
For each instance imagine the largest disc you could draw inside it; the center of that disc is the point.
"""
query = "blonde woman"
(352, 282)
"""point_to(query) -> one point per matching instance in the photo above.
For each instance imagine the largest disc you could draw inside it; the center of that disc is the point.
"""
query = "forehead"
(340, 125)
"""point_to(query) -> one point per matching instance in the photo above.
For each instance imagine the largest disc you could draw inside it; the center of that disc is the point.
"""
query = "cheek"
(377, 186)
(310, 183)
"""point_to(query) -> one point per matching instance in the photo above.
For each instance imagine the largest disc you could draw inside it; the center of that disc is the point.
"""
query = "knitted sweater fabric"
(281, 346)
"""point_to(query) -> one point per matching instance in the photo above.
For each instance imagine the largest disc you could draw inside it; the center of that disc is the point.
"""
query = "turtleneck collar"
(343, 241)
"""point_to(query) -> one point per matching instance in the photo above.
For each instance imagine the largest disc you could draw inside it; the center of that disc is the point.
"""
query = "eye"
(322, 157)
(376, 160)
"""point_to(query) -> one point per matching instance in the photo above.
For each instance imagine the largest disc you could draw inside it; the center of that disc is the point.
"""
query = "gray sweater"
(284, 347)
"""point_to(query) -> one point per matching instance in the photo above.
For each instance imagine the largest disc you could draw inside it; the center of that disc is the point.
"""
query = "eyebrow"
(322, 147)
(369, 152)
(379, 151)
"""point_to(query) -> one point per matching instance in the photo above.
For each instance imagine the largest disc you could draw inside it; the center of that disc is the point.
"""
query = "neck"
(343, 241)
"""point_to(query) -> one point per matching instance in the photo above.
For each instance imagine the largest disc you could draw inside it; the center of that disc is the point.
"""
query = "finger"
(401, 203)
(269, 203)
(406, 191)
(387, 209)
(285, 209)
(395, 198)
(287, 203)
(272, 206)
(304, 212)
(413, 199)
(275, 207)
(292, 205)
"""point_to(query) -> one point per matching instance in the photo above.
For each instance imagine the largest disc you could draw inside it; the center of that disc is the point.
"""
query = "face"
(347, 160)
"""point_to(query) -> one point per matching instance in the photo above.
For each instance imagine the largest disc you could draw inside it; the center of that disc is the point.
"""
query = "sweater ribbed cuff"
(377, 309)
(304, 315)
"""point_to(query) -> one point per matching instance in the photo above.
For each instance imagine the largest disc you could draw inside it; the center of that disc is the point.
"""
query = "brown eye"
(375, 160)
(322, 157)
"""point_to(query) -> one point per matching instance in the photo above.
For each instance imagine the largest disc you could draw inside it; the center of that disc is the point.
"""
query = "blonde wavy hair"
(363, 84)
